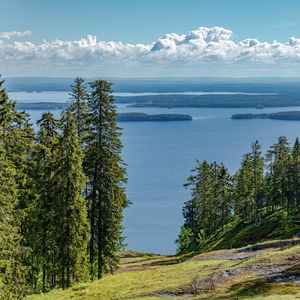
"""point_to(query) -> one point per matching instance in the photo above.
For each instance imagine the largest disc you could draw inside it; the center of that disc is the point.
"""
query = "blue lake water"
(160, 156)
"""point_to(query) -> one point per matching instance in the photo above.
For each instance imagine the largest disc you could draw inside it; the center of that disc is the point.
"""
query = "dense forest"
(262, 186)
(61, 193)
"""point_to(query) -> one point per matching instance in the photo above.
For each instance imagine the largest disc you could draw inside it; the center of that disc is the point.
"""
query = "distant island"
(137, 117)
(121, 117)
(212, 101)
(284, 115)
(40, 105)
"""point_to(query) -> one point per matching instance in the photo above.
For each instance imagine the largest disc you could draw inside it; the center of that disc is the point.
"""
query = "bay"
(160, 155)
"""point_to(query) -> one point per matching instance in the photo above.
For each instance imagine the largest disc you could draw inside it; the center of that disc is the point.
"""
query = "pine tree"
(106, 176)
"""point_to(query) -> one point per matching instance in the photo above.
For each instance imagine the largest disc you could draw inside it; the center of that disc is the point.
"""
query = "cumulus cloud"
(9, 34)
(196, 50)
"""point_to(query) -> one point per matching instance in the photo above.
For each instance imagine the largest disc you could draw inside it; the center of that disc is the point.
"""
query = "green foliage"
(106, 177)
(15, 146)
(49, 209)
(210, 206)
(243, 203)
(78, 106)
(185, 239)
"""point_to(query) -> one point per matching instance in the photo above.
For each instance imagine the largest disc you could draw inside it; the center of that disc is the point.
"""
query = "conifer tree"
(42, 215)
(296, 177)
(257, 162)
(106, 176)
(78, 106)
(71, 210)
(244, 190)
(12, 270)
(223, 195)
(278, 158)
(12, 249)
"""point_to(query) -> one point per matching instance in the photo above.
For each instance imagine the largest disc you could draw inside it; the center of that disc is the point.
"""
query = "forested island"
(40, 105)
(285, 115)
(139, 117)
(213, 101)
(121, 117)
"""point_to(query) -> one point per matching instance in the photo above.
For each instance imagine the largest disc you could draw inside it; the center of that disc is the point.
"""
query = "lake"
(160, 156)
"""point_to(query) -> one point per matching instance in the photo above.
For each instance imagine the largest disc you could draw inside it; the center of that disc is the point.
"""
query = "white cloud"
(9, 34)
(198, 52)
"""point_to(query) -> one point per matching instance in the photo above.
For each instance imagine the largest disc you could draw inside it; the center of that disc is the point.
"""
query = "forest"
(262, 186)
(62, 193)
(62, 197)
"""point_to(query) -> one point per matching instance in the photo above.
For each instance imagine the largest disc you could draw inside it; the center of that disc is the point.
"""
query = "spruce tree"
(278, 158)
(71, 210)
(106, 175)
(244, 190)
(78, 106)
(257, 162)
(296, 177)
(12, 249)
(43, 231)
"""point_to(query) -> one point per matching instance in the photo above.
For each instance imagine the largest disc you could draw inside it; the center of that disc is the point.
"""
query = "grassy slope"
(250, 272)
(274, 226)
(224, 274)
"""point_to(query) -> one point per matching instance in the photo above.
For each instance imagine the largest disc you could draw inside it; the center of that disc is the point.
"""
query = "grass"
(148, 277)
(274, 226)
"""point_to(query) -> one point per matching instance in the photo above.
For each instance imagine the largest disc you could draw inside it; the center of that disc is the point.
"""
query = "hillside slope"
(269, 270)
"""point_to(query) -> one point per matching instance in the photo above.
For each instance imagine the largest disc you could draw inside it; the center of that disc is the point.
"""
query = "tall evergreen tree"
(78, 106)
(223, 195)
(278, 168)
(296, 177)
(12, 270)
(12, 249)
(106, 175)
(71, 210)
(43, 229)
(257, 162)
(244, 190)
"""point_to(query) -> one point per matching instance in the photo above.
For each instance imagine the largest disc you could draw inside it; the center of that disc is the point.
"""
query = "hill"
(234, 265)
(267, 270)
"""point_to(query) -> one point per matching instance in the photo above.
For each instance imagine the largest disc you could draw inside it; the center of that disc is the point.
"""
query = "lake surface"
(52, 96)
(160, 156)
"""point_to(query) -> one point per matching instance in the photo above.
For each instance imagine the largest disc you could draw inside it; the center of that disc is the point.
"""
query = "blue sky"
(144, 22)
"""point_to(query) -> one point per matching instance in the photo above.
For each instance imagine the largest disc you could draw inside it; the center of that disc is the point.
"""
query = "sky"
(143, 38)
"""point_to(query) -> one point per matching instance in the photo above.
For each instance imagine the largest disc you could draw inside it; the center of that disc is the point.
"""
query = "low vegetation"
(262, 271)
